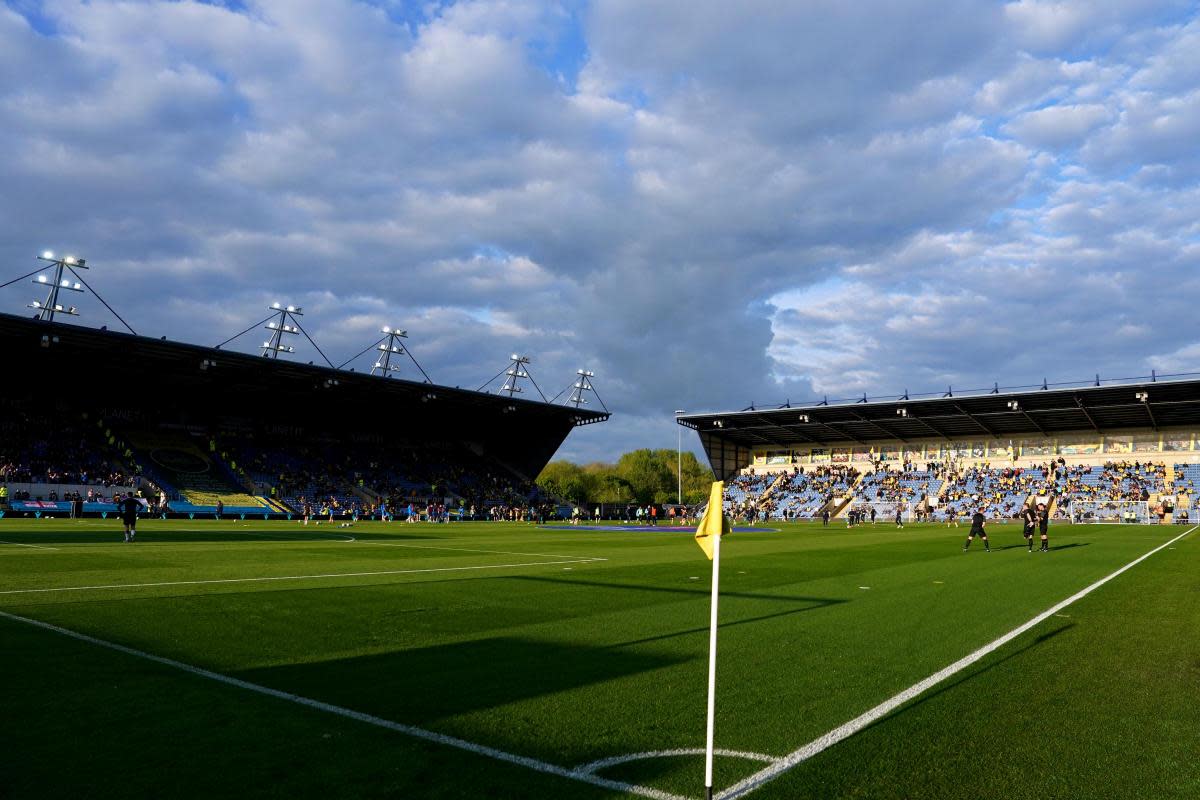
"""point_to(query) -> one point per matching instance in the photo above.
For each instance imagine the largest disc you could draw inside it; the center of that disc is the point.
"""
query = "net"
(886, 511)
(1110, 512)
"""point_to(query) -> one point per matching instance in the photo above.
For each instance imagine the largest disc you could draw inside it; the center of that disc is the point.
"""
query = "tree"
(566, 480)
(639, 476)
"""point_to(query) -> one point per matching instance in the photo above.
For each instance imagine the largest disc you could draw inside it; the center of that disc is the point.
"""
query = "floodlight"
(41, 278)
(1143, 396)
(69, 260)
(803, 418)
(386, 329)
(77, 287)
(66, 282)
(48, 255)
(902, 412)
(274, 305)
(291, 308)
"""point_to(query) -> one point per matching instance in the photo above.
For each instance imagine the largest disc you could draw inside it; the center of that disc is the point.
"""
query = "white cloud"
(821, 196)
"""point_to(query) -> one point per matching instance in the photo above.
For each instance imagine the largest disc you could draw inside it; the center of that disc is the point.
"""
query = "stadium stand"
(805, 494)
(193, 427)
(910, 486)
(744, 493)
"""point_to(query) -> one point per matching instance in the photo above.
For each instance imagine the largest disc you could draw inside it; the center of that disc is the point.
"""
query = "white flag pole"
(712, 671)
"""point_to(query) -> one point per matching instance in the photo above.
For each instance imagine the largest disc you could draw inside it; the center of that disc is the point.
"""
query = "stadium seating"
(743, 493)
(999, 493)
(805, 493)
(887, 486)
(1187, 478)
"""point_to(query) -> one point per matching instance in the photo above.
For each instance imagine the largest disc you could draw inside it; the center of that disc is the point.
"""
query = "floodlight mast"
(515, 373)
(278, 326)
(50, 306)
(391, 346)
(581, 387)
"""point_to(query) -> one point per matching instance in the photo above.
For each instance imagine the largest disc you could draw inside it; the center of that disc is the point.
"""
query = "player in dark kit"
(129, 508)
(1029, 519)
(1043, 517)
(977, 529)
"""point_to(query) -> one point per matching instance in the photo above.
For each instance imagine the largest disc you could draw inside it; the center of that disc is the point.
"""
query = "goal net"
(886, 511)
(1109, 511)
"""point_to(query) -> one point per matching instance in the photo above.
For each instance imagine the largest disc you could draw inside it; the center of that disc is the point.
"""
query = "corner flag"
(713, 526)
(714, 522)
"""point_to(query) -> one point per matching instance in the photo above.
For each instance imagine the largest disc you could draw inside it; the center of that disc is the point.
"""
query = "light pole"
(679, 456)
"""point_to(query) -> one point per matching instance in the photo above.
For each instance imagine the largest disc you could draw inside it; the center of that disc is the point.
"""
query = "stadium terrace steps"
(196, 479)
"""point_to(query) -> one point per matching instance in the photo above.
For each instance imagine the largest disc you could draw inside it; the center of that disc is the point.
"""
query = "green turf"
(523, 640)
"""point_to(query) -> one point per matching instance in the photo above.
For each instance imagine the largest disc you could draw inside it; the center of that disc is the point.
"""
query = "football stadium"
(603, 555)
(349, 584)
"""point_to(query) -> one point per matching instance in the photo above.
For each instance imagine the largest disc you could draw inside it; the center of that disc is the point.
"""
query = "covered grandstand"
(91, 413)
(1131, 441)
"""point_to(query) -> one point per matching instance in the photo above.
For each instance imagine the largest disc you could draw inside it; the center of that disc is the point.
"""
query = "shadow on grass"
(730, 624)
(807, 603)
(972, 674)
(702, 590)
(423, 685)
(198, 532)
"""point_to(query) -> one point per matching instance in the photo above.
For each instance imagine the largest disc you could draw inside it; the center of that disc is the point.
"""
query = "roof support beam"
(1150, 414)
(792, 431)
(877, 426)
(975, 419)
(839, 433)
(1091, 420)
(1034, 422)
(930, 425)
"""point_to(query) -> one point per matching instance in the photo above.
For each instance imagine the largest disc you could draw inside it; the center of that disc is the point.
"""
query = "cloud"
(708, 205)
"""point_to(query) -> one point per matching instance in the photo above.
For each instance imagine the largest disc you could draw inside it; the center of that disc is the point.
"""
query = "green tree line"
(641, 476)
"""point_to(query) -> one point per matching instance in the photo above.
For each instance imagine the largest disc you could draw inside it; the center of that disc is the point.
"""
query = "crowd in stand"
(943, 488)
(55, 452)
(800, 493)
(427, 481)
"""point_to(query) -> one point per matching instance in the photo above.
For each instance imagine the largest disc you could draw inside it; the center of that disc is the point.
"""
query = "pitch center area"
(578, 647)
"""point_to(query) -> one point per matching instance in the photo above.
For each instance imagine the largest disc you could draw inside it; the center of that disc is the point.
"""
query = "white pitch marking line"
(287, 577)
(471, 550)
(605, 763)
(34, 546)
(749, 784)
(150, 542)
(359, 716)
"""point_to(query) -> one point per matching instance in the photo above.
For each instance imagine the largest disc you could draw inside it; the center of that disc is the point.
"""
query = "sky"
(708, 204)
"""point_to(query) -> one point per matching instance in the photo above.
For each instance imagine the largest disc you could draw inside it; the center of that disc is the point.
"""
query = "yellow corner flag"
(714, 522)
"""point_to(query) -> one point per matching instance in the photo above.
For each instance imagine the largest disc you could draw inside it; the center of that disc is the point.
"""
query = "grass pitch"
(573, 647)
